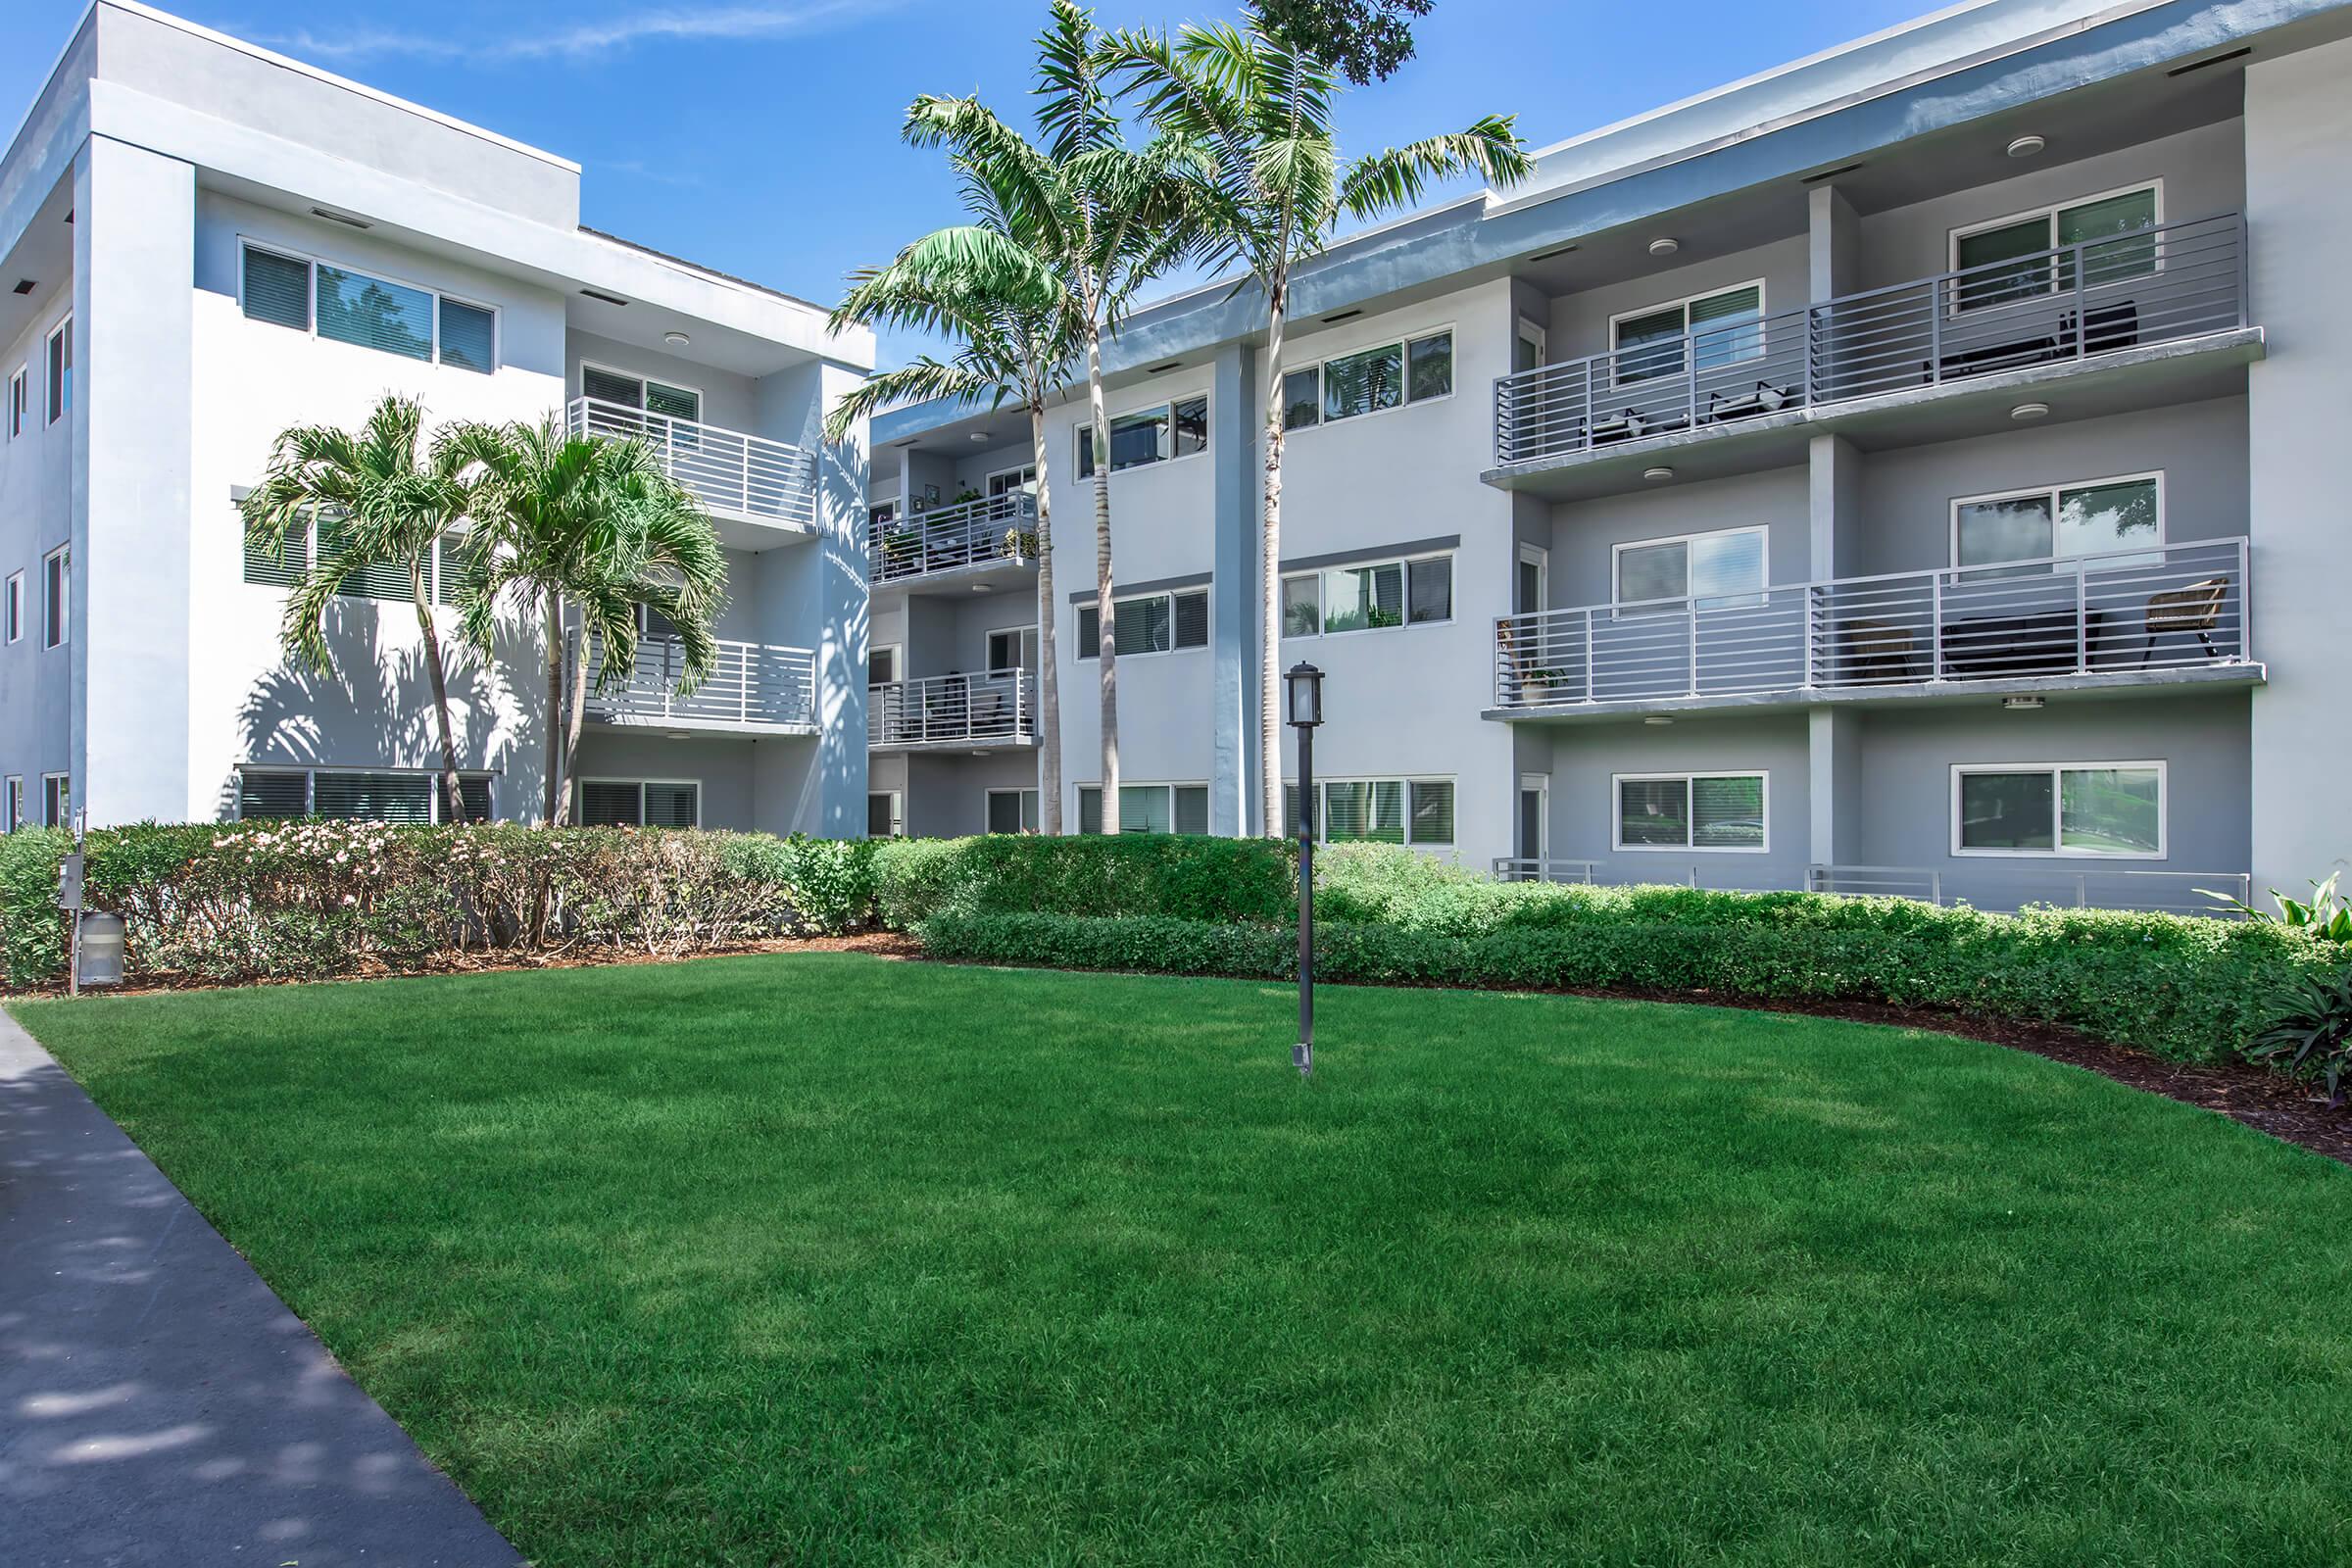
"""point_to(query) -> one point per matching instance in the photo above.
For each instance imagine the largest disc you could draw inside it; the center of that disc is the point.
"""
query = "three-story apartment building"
(202, 243)
(1910, 470)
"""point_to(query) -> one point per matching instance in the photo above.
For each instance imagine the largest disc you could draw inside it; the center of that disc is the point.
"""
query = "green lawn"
(818, 1258)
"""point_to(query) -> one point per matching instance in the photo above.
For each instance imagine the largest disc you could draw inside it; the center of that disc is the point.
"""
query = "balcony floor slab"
(977, 748)
(1002, 575)
(681, 725)
(2106, 683)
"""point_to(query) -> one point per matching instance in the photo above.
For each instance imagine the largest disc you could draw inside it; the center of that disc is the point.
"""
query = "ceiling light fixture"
(2031, 411)
(1653, 476)
(2026, 146)
(1664, 245)
(677, 340)
(1660, 720)
(977, 436)
(2022, 705)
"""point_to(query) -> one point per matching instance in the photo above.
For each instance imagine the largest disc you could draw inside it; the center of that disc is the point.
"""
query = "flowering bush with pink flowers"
(309, 899)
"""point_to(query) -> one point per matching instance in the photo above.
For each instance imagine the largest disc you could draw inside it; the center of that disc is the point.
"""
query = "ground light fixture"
(1303, 685)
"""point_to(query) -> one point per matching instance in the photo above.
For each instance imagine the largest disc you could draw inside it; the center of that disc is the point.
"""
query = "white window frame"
(1027, 630)
(1618, 601)
(579, 799)
(898, 666)
(1762, 776)
(988, 796)
(1404, 344)
(1539, 784)
(64, 595)
(310, 785)
(1405, 781)
(1082, 649)
(1404, 564)
(59, 401)
(1540, 558)
(49, 783)
(1027, 470)
(2057, 772)
(1171, 785)
(20, 400)
(898, 809)
(12, 610)
(2051, 493)
(1083, 433)
(1763, 309)
(702, 398)
(2049, 214)
(312, 261)
(1536, 334)
(15, 802)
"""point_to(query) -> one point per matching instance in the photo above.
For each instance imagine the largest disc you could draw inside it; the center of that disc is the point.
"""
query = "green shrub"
(2186, 987)
(2308, 1033)
(1183, 876)
(33, 933)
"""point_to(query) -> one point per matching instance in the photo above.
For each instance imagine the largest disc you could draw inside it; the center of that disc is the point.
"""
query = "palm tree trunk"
(1049, 684)
(578, 688)
(1269, 578)
(552, 794)
(455, 796)
(1106, 623)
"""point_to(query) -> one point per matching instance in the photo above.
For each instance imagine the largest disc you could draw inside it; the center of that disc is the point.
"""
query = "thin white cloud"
(582, 39)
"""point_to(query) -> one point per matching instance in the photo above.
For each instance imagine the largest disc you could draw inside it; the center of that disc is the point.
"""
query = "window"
(20, 399)
(640, 803)
(1158, 434)
(281, 565)
(1014, 648)
(1703, 332)
(56, 609)
(1373, 597)
(293, 291)
(1013, 811)
(1381, 811)
(16, 802)
(2059, 809)
(1151, 624)
(13, 611)
(1714, 568)
(57, 799)
(2099, 516)
(354, 795)
(2024, 241)
(1691, 811)
(1386, 375)
(61, 371)
(636, 392)
(1147, 808)
(882, 818)
(456, 567)
(882, 664)
(380, 579)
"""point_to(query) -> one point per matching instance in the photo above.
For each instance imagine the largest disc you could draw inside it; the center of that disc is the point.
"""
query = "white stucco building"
(1909, 470)
(205, 243)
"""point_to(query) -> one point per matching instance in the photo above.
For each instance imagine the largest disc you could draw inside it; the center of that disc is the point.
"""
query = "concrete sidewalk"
(158, 1405)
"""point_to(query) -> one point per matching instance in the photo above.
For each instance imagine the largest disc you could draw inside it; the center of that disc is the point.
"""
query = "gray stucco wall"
(1584, 758)
(1585, 533)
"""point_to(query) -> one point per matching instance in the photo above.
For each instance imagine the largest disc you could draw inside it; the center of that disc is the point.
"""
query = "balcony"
(985, 713)
(968, 544)
(2065, 886)
(753, 689)
(2167, 614)
(2160, 312)
(741, 479)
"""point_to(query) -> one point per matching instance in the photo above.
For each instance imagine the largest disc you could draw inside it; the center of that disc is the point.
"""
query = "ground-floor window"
(1376, 811)
(356, 795)
(2059, 809)
(883, 817)
(57, 799)
(1689, 810)
(641, 802)
(1013, 811)
(16, 802)
(1147, 808)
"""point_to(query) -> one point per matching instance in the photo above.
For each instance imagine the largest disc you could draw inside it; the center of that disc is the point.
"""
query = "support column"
(1834, 252)
(1233, 605)
(1833, 785)
(134, 293)
(1834, 507)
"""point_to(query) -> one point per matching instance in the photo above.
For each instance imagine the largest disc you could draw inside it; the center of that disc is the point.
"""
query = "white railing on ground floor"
(2008, 887)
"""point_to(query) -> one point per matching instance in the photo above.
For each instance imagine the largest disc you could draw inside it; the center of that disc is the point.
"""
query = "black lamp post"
(1304, 686)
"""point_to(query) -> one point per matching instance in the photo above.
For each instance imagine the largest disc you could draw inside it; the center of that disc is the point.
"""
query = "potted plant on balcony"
(902, 547)
(1021, 544)
(1537, 685)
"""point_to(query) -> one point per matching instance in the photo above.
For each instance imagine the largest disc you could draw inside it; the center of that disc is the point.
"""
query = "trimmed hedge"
(2188, 989)
(299, 901)
(1180, 876)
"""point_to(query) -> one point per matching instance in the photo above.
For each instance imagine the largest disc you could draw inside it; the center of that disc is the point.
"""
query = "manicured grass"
(818, 1258)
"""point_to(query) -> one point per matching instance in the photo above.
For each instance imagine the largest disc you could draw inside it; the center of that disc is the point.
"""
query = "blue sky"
(761, 136)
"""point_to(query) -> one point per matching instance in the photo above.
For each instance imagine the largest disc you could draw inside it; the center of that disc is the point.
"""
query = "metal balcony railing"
(943, 538)
(2166, 607)
(2066, 304)
(2005, 887)
(747, 475)
(997, 706)
(751, 685)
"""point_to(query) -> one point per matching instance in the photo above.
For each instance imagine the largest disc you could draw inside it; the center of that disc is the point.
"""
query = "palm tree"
(1107, 218)
(592, 527)
(378, 499)
(985, 287)
(1256, 115)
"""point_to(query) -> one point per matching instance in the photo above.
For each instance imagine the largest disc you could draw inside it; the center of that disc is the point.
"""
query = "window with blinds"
(670, 805)
(373, 797)
(277, 289)
(378, 579)
(638, 392)
(1150, 624)
(374, 313)
(279, 564)
(261, 794)
(1376, 811)
(1429, 590)
(1156, 434)
(474, 791)
(1690, 812)
(456, 567)
(640, 803)
(1147, 808)
(469, 336)
(1012, 810)
(1707, 330)
(1371, 596)
(1387, 376)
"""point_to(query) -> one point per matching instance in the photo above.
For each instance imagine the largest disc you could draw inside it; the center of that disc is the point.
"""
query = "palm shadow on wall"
(374, 706)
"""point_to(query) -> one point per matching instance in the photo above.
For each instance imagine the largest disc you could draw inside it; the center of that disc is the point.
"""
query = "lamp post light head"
(1305, 684)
